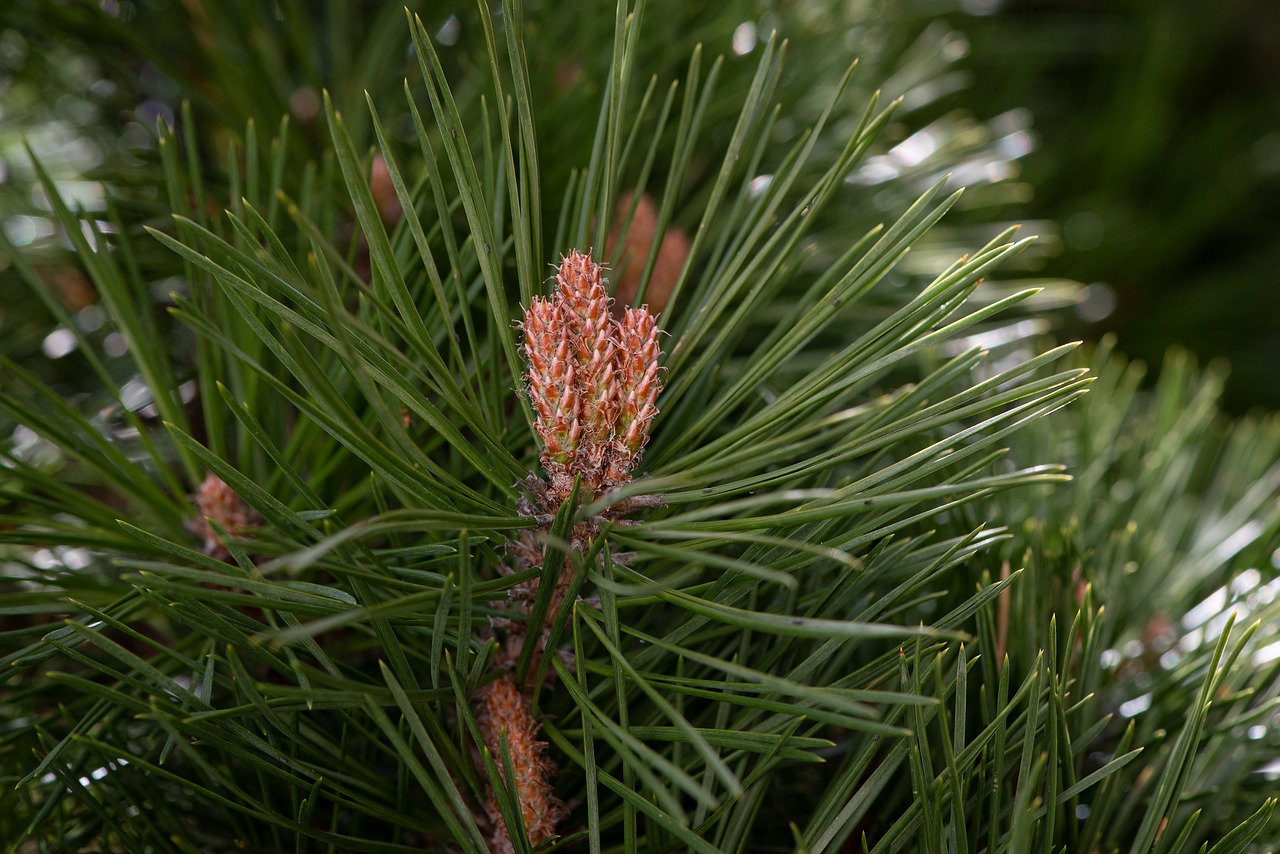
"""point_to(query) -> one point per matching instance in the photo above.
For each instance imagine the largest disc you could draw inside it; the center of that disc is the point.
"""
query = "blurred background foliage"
(1159, 160)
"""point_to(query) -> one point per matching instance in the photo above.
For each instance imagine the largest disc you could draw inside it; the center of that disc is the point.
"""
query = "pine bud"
(553, 390)
(593, 381)
(219, 503)
(673, 252)
(503, 710)
(640, 382)
(581, 290)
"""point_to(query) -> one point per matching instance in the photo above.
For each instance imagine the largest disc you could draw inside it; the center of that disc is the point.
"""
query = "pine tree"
(541, 454)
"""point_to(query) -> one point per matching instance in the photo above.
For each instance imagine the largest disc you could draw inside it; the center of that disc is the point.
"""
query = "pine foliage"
(850, 597)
